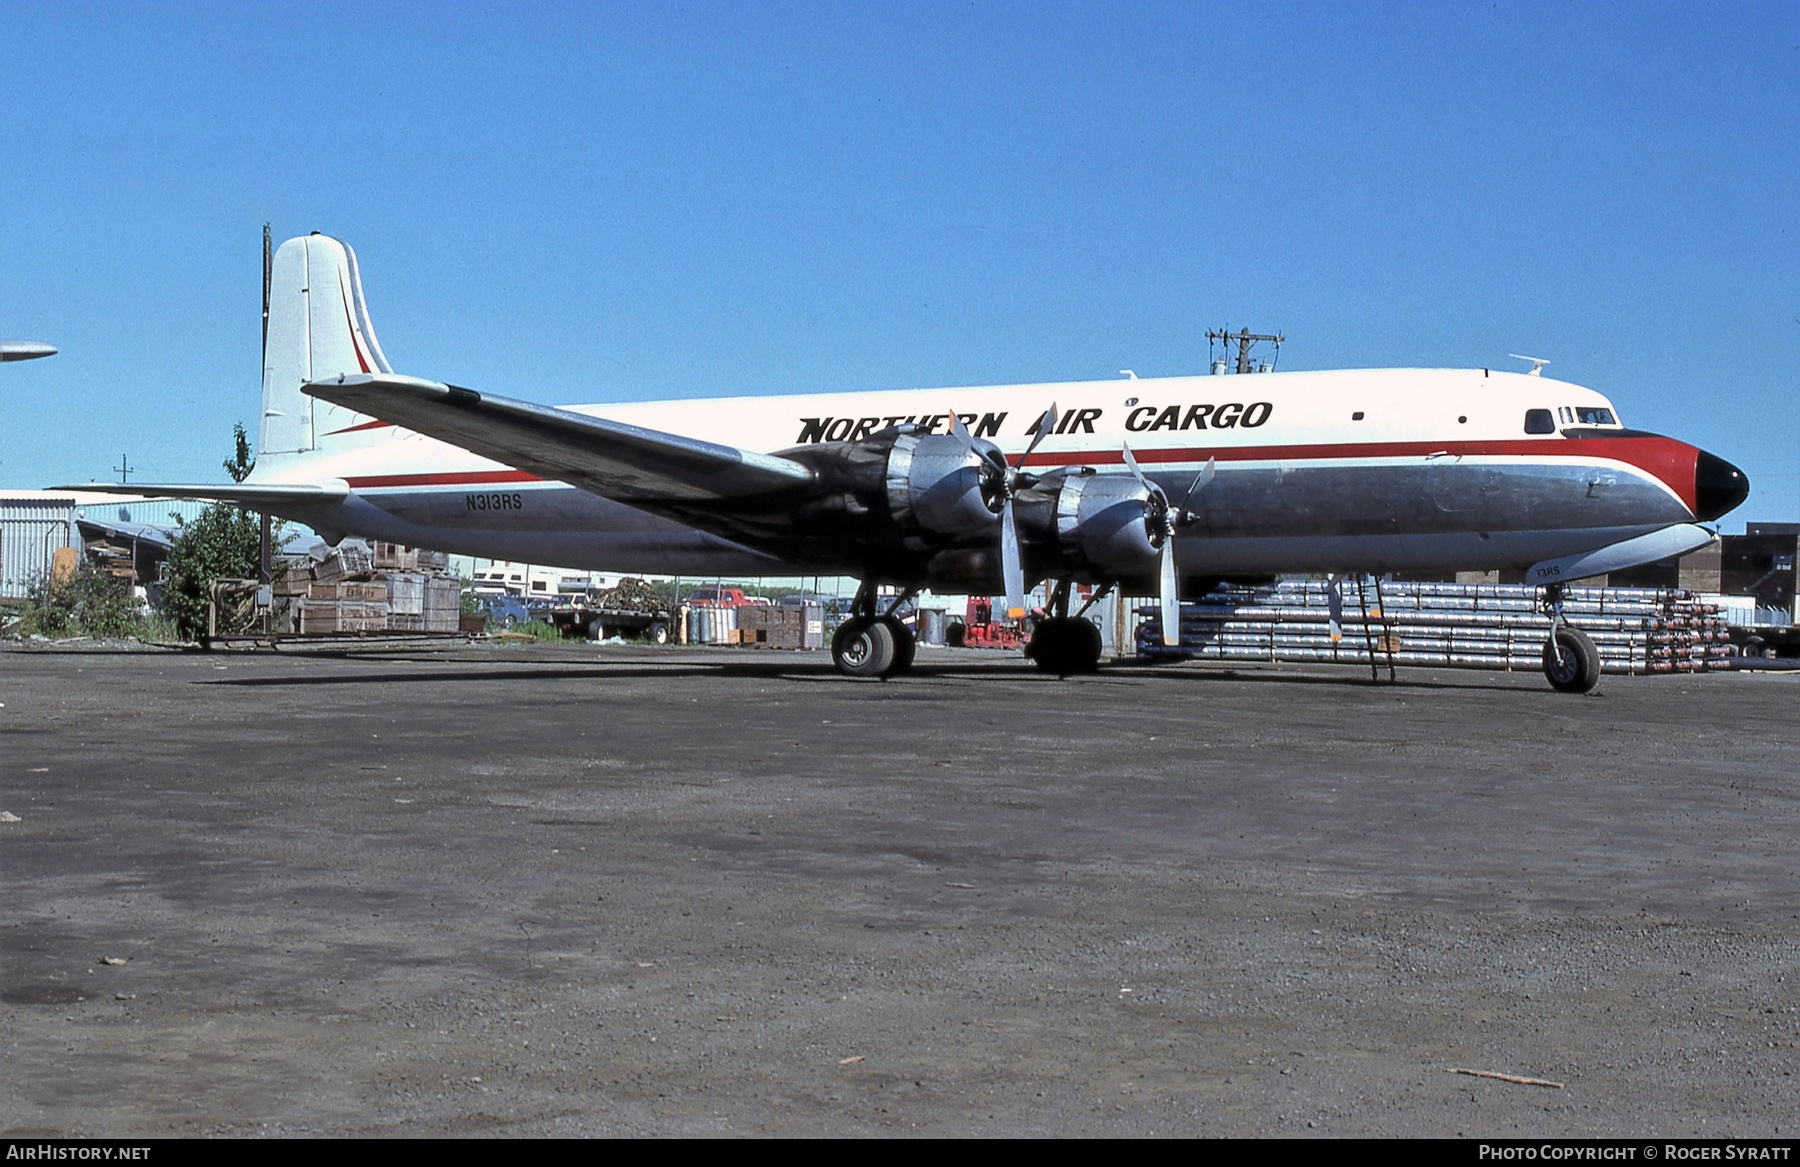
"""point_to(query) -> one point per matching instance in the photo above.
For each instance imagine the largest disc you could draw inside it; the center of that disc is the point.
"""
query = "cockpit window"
(1591, 415)
(1539, 421)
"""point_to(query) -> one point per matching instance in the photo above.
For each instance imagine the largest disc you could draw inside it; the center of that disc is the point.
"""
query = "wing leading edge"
(244, 494)
(608, 458)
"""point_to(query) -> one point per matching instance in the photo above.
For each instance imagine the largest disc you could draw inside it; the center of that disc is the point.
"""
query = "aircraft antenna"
(1244, 338)
(1537, 363)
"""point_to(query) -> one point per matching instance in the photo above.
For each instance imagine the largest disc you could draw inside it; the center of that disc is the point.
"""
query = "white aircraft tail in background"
(319, 329)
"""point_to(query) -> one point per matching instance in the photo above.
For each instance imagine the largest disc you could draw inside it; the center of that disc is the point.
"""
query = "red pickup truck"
(718, 597)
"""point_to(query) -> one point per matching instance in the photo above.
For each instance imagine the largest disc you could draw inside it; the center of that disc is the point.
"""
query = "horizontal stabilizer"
(608, 458)
(242, 493)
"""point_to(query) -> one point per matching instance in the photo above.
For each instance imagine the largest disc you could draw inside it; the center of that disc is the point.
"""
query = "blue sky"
(614, 202)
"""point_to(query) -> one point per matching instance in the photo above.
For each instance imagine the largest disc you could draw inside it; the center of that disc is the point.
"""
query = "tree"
(240, 464)
(223, 542)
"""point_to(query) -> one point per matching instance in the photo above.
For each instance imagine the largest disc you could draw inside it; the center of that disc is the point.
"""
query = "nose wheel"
(1571, 661)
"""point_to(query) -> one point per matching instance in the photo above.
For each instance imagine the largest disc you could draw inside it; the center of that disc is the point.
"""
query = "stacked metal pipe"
(1479, 626)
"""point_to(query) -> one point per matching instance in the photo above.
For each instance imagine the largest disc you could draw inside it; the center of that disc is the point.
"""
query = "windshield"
(1594, 415)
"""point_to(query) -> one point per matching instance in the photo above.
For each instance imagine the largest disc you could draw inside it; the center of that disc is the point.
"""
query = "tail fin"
(318, 327)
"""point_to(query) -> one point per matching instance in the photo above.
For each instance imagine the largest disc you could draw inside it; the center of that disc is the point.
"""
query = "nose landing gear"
(1571, 659)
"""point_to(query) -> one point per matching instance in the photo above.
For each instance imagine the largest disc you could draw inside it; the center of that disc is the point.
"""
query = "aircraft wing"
(245, 494)
(609, 458)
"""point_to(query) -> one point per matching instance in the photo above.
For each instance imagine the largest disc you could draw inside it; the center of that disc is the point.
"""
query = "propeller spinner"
(1011, 480)
(1162, 521)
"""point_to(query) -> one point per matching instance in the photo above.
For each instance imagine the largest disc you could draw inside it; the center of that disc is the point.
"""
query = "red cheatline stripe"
(367, 425)
(1561, 447)
(354, 342)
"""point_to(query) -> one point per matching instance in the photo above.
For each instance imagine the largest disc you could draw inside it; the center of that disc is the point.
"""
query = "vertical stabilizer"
(318, 327)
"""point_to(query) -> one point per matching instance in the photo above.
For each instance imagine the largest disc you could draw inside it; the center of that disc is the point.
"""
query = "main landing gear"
(1571, 659)
(1065, 644)
(870, 645)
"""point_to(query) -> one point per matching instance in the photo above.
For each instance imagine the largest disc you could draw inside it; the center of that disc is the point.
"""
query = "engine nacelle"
(1099, 526)
(938, 484)
(897, 495)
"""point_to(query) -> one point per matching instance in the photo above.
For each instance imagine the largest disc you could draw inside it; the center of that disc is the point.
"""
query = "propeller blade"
(1046, 427)
(1181, 515)
(960, 430)
(1201, 480)
(1011, 569)
(1132, 463)
(1171, 596)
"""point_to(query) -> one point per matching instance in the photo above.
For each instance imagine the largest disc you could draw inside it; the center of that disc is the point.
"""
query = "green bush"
(89, 603)
(541, 630)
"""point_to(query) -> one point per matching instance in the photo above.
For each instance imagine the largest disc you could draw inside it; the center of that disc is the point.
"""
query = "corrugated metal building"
(34, 524)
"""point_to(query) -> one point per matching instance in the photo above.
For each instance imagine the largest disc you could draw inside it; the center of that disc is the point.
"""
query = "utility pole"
(1244, 338)
(123, 470)
(265, 554)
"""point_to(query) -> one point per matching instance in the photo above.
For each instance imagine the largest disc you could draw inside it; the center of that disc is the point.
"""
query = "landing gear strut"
(1064, 644)
(1571, 659)
(871, 645)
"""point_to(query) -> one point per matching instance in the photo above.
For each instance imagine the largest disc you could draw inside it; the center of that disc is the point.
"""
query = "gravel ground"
(578, 890)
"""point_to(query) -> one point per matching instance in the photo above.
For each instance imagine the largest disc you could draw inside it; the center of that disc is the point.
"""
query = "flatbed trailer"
(581, 621)
(1767, 640)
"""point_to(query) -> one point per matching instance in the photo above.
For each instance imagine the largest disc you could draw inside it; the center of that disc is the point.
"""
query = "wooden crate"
(361, 593)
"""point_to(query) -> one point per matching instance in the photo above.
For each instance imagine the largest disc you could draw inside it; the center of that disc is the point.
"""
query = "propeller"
(1165, 520)
(1013, 480)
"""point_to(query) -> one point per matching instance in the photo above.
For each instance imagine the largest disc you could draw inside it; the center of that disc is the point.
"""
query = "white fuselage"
(1382, 469)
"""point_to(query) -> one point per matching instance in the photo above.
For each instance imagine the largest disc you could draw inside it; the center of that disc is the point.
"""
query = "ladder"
(1380, 613)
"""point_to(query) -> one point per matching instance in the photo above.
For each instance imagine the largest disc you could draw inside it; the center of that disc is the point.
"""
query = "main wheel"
(1086, 646)
(1044, 649)
(905, 646)
(863, 648)
(1576, 669)
(1065, 646)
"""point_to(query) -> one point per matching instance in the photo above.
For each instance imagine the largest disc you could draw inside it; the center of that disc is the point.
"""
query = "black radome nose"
(1718, 487)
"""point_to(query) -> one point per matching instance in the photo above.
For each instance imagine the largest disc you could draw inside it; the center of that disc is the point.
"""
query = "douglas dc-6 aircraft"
(1166, 484)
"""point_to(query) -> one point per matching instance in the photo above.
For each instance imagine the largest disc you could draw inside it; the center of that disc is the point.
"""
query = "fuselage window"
(1539, 421)
(1590, 415)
